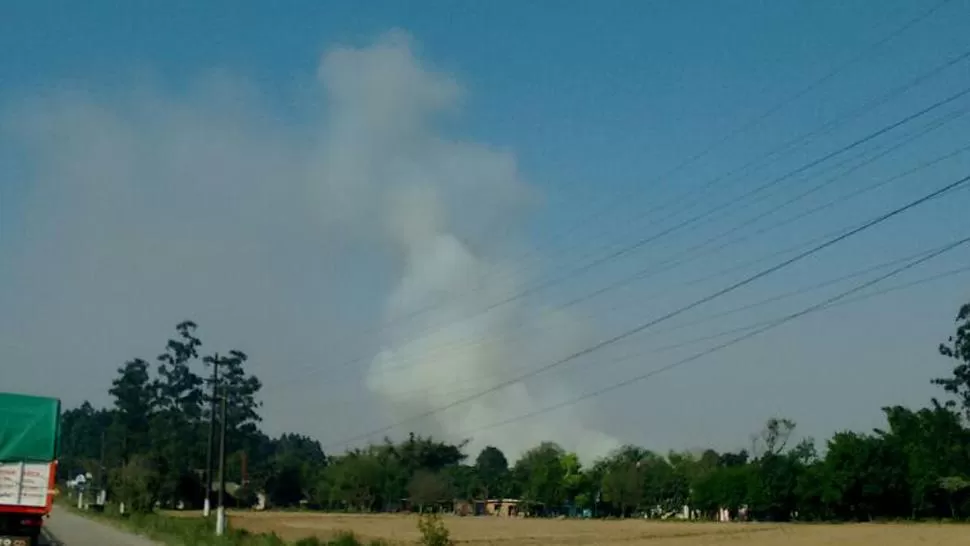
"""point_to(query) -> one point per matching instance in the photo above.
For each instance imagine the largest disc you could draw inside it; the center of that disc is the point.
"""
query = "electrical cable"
(697, 356)
(690, 255)
(766, 114)
(646, 240)
(667, 316)
(792, 144)
(816, 83)
(747, 307)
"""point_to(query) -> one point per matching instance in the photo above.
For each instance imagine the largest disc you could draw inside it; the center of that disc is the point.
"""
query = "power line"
(810, 191)
(402, 368)
(766, 114)
(749, 327)
(787, 250)
(644, 326)
(697, 356)
(791, 144)
(824, 129)
(906, 285)
(757, 120)
(886, 151)
(841, 199)
(673, 262)
(760, 303)
(691, 254)
(688, 222)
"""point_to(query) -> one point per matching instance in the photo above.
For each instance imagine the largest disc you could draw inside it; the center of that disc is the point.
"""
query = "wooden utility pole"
(221, 507)
(245, 474)
(102, 476)
(206, 504)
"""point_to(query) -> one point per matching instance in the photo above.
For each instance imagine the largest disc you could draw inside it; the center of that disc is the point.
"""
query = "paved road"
(67, 529)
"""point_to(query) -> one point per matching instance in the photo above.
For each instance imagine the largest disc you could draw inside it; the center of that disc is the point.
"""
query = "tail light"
(31, 522)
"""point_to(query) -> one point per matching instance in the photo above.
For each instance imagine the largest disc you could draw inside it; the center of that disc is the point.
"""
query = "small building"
(498, 507)
(464, 507)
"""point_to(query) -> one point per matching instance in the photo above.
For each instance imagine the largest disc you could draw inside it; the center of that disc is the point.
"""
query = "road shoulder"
(65, 528)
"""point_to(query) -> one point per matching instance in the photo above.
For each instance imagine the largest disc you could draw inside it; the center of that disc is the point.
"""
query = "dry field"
(535, 532)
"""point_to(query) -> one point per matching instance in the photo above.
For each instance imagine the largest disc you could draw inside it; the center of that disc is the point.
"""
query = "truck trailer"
(29, 443)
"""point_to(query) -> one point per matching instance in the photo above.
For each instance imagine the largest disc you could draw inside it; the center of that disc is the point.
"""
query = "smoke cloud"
(274, 234)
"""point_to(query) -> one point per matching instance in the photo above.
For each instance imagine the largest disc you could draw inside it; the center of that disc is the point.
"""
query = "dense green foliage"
(916, 466)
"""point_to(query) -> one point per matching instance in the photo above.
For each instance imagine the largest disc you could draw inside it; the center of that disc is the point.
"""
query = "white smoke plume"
(445, 346)
(147, 206)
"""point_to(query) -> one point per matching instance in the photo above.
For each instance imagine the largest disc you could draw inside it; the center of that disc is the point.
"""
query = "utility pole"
(245, 475)
(221, 507)
(124, 464)
(212, 437)
(102, 477)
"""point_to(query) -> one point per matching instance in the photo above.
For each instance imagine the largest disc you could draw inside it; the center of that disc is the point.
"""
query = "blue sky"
(594, 101)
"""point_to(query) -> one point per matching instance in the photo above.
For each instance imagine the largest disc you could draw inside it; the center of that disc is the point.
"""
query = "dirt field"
(535, 532)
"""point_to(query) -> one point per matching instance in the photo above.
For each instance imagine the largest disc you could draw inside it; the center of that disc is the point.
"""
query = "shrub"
(433, 531)
(344, 539)
(137, 483)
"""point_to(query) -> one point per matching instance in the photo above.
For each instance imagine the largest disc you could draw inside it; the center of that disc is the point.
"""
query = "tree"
(773, 488)
(621, 480)
(574, 480)
(931, 445)
(418, 452)
(774, 436)
(863, 477)
(493, 472)
(81, 433)
(539, 474)
(917, 466)
(665, 483)
(354, 480)
(957, 347)
(242, 412)
(133, 400)
(178, 387)
(623, 487)
(137, 483)
(394, 475)
(256, 462)
(285, 487)
(295, 467)
(464, 481)
(178, 434)
(725, 487)
(242, 407)
(733, 459)
(955, 487)
(428, 487)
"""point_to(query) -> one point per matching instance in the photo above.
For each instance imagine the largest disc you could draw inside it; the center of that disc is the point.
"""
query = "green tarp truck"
(29, 443)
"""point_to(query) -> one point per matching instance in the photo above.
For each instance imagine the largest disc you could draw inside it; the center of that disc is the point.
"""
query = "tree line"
(153, 445)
